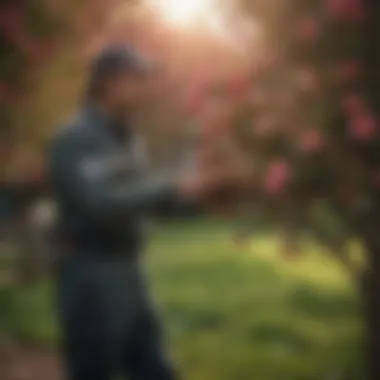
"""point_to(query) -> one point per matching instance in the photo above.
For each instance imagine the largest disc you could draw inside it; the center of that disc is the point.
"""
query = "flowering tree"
(337, 41)
(309, 125)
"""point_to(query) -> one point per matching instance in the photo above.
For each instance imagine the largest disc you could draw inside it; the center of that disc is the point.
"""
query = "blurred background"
(280, 281)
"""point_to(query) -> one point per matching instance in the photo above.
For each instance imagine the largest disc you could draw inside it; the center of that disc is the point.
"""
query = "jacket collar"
(101, 121)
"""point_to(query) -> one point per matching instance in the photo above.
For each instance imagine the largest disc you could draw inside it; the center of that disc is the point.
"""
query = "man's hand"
(201, 182)
(194, 185)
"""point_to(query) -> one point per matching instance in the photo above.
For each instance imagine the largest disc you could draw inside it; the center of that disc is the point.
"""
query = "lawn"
(234, 313)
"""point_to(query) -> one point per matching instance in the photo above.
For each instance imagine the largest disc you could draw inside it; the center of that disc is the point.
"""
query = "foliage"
(307, 119)
(32, 34)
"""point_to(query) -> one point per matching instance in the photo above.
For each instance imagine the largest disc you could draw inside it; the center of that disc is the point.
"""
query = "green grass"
(234, 314)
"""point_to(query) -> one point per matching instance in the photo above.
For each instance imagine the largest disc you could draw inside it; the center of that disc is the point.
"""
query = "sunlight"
(212, 18)
(203, 22)
(183, 13)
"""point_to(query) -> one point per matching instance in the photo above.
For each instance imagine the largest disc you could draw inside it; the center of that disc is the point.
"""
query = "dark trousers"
(108, 323)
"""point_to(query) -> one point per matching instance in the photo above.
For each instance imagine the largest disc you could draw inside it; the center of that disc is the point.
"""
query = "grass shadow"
(324, 304)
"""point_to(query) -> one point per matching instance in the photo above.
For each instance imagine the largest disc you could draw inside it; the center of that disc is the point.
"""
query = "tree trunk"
(370, 292)
(370, 289)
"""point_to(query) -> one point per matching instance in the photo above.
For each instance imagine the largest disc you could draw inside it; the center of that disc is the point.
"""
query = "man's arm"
(175, 203)
(81, 170)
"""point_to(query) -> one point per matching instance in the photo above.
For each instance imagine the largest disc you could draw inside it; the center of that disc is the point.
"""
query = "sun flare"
(183, 13)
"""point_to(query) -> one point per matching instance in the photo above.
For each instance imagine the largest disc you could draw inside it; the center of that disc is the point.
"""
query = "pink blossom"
(348, 71)
(362, 127)
(309, 29)
(5, 92)
(37, 51)
(353, 103)
(194, 101)
(12, 21)
(277, 177)
(311, 141)
(351, 10)
(239, 87)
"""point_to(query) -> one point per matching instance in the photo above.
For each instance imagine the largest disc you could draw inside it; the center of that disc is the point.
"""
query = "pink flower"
(348, 71)
(309, 30)
(350, 10)
(12, 20)
(362, 127)
(5, 92)
(239, 87)
(194, 102)
(311, 141)
(37, 51)
(277, 177)
(353, 104)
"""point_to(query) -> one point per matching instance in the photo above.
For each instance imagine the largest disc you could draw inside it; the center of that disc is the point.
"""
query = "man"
(103, 194)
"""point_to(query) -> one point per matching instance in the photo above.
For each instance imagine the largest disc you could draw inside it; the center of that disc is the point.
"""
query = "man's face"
(126, 92)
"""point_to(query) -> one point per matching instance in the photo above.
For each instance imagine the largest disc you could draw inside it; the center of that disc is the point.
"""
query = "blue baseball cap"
(118, 59)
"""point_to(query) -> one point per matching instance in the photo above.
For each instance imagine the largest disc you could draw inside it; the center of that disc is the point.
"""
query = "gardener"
(103, 193)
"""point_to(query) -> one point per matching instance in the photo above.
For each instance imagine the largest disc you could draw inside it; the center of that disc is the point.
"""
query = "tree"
(342, 56)
(310, 126)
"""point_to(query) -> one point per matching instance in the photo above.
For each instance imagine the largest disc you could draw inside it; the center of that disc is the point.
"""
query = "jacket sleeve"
(82, 172)
(173, 204)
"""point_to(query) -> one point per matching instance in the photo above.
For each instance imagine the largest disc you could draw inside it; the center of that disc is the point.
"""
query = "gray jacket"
(101, 186)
